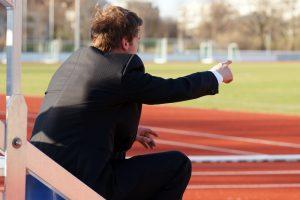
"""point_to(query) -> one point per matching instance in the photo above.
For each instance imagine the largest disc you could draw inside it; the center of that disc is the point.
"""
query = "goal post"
(234, 52)
(206, 52)
(161, 51)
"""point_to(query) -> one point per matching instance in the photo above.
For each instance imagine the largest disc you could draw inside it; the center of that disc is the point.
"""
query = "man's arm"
(141, 87)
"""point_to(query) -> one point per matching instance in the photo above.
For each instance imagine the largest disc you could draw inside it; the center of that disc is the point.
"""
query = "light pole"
(25, 25)
(77, 25)
(51, 20)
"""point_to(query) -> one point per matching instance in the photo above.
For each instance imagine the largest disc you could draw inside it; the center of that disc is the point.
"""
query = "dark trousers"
(159, 176)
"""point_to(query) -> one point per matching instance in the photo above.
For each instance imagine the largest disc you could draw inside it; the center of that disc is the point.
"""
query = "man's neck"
(118, 50)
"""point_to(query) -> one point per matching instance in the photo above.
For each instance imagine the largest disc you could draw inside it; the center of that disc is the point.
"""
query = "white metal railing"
(19, 156)
(64, 183)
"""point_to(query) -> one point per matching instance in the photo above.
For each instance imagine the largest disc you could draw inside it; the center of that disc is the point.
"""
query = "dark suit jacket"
(92, 107)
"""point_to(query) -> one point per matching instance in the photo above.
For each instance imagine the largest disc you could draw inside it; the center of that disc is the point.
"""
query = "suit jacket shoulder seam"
(127, 64)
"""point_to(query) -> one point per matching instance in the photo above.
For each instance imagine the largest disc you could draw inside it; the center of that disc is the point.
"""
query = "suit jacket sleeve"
(138, 86)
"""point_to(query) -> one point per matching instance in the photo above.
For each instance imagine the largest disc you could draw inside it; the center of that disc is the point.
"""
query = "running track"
(211, 132)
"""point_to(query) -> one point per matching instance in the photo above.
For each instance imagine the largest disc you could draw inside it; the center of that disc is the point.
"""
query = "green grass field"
(257, 87)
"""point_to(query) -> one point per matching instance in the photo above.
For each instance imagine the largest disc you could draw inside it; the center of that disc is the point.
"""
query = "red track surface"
(207, 132)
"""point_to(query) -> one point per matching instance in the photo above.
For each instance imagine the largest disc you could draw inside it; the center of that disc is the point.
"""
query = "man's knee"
(183, 162)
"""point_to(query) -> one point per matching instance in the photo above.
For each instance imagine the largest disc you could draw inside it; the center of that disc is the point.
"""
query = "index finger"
(228, 62)
(153, 133)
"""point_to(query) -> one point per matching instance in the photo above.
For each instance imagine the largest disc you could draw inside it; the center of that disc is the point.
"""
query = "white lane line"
(216, 136)
(225, 137)
(245, 186)
(195, 146)
(205, 147)
(246, 158)
(199, 147)
(246, 173)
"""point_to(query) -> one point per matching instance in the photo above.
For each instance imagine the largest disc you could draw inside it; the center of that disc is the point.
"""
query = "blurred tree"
(168, 28)
(2, 26)
(218, 24)
(150, 16)
(266, 23)
(290, 6)
(37, 23)
(297, 31)
(87, 10)
(64, 20)
(268, 26)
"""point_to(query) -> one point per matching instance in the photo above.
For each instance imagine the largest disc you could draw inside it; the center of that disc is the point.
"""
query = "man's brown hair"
(111, 24)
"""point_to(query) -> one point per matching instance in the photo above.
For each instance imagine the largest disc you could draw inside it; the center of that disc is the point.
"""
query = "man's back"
(82, 102)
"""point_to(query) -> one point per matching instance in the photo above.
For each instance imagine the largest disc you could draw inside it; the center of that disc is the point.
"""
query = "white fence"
(186, 56)
(163, 49)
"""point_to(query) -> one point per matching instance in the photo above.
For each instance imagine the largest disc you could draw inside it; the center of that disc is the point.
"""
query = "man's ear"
(125, 44)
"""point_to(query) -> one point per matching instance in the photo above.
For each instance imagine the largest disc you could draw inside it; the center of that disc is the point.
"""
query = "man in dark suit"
(91, 111)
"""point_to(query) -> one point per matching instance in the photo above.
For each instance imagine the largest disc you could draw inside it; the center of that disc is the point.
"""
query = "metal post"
(24, 25)
(9, 51)
(77, 25)
(13, 46)
(16, 110)
(51, 20)
(16, 130)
